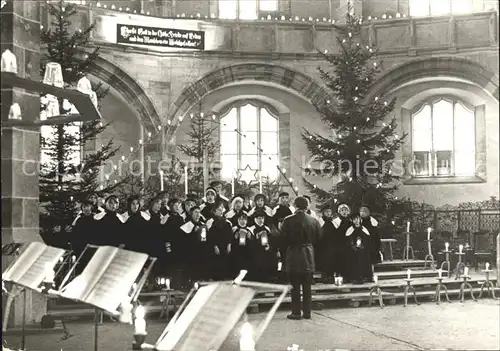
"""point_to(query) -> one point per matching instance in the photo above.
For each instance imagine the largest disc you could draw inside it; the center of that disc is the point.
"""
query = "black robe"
(207, 210)
(83, 230)
(219, 235)
(280, 212)
(338, 253)
(109, 229)
(371, 224)
(268, 218)
(137, 231)
(325, 248)
(156, 239)
(358, 250)
(196, 250)
(232, 216)
(174, 235)
(242, 250)
(265, 260)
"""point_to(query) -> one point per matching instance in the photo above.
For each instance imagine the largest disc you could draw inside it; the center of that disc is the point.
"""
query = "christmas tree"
(361, 150)
(200, 141)
(66, 176)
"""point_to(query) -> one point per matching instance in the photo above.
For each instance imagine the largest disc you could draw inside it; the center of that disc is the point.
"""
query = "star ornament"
(248, 175)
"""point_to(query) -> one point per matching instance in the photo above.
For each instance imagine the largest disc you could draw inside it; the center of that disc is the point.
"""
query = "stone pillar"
(20, 146)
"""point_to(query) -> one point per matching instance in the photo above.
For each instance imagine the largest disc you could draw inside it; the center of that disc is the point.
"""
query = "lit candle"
(440, 273)
(260, 183)
(358, 242)
(487, 266)
(446, 246)
(466, 271)
(232, 183)
(167, 284)
(126, 312)
(162, 281)
(280, 265)
(263, 239)
(243, 238)
(161, 181)
(408, 226)
(429, 233)
(140, 322)
(460, 248)
(73, 259)
(49, 273)
(196, 286)
(203, 234)
(247, 343)
(408, 274)
(375, 279)
(186, 190)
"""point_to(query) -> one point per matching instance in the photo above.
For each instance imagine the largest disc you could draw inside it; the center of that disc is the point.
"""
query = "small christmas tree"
(200, 140)
(362, 150)
(65, 176)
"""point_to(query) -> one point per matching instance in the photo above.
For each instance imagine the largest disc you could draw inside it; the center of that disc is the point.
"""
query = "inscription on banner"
(164, 37)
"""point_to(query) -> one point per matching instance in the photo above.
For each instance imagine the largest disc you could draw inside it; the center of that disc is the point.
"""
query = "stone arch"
(130, 90)
(285, 77)
(435, 67)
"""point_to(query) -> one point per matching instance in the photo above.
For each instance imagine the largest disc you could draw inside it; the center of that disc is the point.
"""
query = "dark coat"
(136, 231)
(371, 224)
(358, 257)
(299, 233)
(83, 229)
(109, 229)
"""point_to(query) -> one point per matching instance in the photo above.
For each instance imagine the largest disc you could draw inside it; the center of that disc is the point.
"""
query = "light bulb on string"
(149, 134)
(213, 117)
(131, 149)
(367, 119)
(385, 103)
(290, 180)
(123, 158)
(169, 122)
(202, 114)
(115, 167)
(159, 127)
(358, 141)
(350, 35)
(376, 98)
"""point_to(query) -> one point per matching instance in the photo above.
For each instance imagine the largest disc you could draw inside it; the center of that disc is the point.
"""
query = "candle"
(446, 246)
(61, 259)
(247, 343)
(161, 181)
(232, 183)
(162, 281)
(375, 279)
(126, 312)
(203, 234)
(260, 183)
(358, 242)
(140, 322)
(167, 284)
(429, 233)
(440, 273)
(487, 266)
(186, 190)
(73, 259)
(460, 248)
(466, 271)
(263, 239)
(49, 273)
(408, 274)
(243, 238)
(280, 265)
(196, 286)
(408, 226)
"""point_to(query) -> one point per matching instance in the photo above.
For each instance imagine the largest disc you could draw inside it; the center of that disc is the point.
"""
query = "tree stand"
(462, 287)
(488, 284)
(437, 297)
(408, 288)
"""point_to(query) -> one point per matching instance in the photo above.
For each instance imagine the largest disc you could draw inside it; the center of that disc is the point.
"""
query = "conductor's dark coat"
(109, 229)
(136, 231)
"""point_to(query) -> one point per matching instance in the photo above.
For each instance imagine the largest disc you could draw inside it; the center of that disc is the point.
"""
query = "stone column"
(20, 146)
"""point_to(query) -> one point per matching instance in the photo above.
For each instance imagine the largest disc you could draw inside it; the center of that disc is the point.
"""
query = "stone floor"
(457, 326)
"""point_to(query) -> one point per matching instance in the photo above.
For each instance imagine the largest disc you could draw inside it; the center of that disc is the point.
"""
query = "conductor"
(299, 233)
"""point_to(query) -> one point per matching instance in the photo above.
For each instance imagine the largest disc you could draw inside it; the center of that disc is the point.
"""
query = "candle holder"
(429, 256)
(488, 284)
(139, 340)
(446, 262)
(460, 269)
(408, 248)
(165, 308)
(440, 285)
(376, 289)
(409, 288)
(462, 287)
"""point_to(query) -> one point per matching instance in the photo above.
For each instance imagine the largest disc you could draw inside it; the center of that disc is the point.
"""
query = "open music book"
(107, 279)
(29, 269)
(207, 320)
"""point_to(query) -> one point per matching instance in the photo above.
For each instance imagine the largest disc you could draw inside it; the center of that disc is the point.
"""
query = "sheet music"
(35, 275)
(213, 322)
(25, 259)
(117, 279)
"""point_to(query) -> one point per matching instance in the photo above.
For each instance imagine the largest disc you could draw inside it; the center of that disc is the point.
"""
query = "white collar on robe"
(351, 230)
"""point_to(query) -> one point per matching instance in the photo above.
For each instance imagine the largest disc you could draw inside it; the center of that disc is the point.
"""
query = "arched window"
(243, 130)
(443, 140)
(246, 9)
(422, 8)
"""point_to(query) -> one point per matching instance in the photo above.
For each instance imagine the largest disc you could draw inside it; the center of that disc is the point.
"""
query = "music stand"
(209, 314)
(112, 277)
(30, 271)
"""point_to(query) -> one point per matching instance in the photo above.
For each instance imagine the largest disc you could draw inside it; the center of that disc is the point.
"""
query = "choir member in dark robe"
(247, 204)
(157, 244)
(219, 197)
(242, 247)
(358, 249)
(265, 256)
(81, 235)
(109, 225)
(260, 205)
(93, 198)
(164, 198)
(207, 208)
(196, 251)
(341, 223)
(309, 211)
(283, 209)
(219, 237)
(325, 248)
(136, 226)
(174, 236)
(371, 224)
(189, 203)
(235, 211)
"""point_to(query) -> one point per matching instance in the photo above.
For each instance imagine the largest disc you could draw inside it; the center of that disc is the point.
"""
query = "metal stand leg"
(460, 269)
(437, 297)
(23, 327)
(446, 262)
(96, 329)
(390, 251)
(462, 292)
(377, 290)
(489, 285)
(429, 257)
(409, 288)
(407, 249)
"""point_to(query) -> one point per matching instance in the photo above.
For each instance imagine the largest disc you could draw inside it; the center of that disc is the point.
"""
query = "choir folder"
(107, 280)
(207, 320)
(30, 268)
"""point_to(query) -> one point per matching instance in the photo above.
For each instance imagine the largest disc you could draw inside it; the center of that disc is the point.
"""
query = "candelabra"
(409, 288)
(446, 261)
(429, 256)
(466, 283)
(408, 248)
(460, 265)
(440, 285)
(488, 284)
(376, 289)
